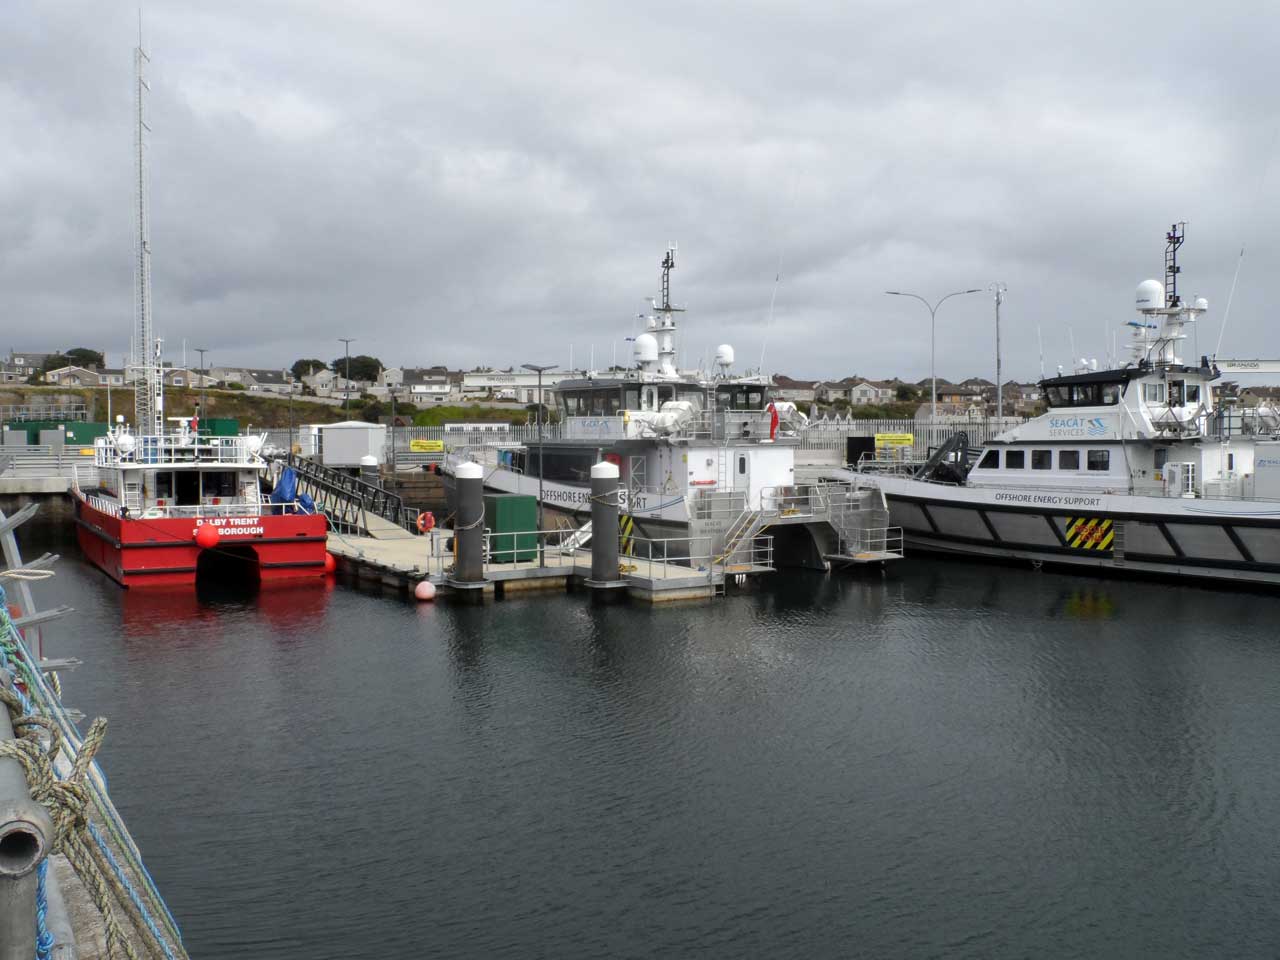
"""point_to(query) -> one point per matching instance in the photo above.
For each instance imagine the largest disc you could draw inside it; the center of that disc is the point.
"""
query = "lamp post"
(539, 370)
(999, 290)
(346, 378)
(202, 351)
(391, 392)
(933, 339)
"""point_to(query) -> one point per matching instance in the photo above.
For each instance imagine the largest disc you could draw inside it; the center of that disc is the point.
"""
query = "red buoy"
(330, 564)
(206, 537)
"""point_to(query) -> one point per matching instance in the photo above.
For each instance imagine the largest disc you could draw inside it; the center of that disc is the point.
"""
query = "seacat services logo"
(1096, 427)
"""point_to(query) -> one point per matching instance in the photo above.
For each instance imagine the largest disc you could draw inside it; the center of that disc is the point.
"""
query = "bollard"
(605, 495)
(25, 830)
(468, 525)
(369, 469)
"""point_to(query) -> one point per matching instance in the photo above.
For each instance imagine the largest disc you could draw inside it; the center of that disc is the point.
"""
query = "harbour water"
(955, 760)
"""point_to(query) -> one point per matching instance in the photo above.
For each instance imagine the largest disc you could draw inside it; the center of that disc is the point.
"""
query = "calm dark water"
(955, 761)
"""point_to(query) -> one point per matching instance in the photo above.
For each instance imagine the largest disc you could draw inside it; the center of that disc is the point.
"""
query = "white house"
(872, 392)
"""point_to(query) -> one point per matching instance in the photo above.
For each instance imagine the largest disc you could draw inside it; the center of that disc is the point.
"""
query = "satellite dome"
(724, 355)
(1202, 303)
(1150, 295)
(646, 348)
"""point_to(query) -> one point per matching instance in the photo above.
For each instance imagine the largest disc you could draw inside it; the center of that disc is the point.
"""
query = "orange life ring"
(426, 521)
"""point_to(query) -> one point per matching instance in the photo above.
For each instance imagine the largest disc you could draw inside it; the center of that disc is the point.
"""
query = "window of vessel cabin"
(742, 465)
(1015, 459)
(990, 460)
(1111, 393)
(1100, 460)
(1193, 393)
(1068, 459)
(1161, 457)
(1231, 462)
(1176, 393)
(1153, 392)
(631, 398)
(1041, 459)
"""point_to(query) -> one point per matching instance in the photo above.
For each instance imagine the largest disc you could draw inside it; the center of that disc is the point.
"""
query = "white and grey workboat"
(699, 455)
(1143, 468)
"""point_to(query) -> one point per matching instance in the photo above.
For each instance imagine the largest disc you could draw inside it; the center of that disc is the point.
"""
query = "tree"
(84, 357)
(906, 392)
(304, 368)
(372, 411)
(362, 367)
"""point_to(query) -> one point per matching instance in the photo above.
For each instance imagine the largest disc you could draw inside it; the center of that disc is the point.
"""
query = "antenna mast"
(665, 326)
(1173, 240)
(148, 382)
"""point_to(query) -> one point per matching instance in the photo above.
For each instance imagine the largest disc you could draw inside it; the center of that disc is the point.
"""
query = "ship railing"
(110, 507)
(879, 540)
(177, 449)
(234, 508)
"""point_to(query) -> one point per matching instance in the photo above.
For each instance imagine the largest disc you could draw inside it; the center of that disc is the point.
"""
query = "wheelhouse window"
(990, 460)
(1084, 394)
(1068, 459)
(1153, 392)
(740, 397)
(1015, 459)
(1100, 460)
(1193, 393)
(1041, 459)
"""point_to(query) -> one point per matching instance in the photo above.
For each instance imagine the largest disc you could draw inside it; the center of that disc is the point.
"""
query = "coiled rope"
(38, 719)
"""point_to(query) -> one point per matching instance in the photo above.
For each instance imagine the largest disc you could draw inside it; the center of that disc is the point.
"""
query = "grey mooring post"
(25, 831)
(605, 494)
(468, 526)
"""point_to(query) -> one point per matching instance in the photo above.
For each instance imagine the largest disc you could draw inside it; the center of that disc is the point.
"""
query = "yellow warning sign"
(895, 439)
(426, 446)
(1089, 533)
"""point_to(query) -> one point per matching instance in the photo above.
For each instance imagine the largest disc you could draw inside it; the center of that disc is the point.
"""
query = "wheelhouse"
(608, 398)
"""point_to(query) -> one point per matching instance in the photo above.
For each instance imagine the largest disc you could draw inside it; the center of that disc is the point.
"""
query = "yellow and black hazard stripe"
(1089, 533)
(626, 532)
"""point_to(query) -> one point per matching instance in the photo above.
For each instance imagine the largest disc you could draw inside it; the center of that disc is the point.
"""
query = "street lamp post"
(999, 290)
(539, 370)
(933, 338)
(391, 392)
(346, 378)
(202, 351)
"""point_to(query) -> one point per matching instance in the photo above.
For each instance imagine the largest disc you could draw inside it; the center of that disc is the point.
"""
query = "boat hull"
(141, 552)
(1227, 541)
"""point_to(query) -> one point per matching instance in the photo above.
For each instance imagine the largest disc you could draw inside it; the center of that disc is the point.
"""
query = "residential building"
(19, 366)
(72, 376)
(796, 391)
(257, 379)
(872, 392)
(326, 383)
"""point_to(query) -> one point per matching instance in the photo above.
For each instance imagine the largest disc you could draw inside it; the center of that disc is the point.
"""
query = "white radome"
(1150, 295)
(646, 348)
(724, 355)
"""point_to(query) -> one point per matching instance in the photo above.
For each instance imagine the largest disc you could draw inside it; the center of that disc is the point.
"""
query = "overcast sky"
(491, 182)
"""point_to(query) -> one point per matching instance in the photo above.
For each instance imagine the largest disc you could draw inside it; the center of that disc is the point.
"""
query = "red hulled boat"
(169, 507)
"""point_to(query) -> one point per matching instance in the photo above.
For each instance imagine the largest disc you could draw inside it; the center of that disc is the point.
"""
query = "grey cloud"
(488, 183)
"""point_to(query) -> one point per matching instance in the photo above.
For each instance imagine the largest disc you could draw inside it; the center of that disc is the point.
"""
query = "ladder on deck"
(740, 533)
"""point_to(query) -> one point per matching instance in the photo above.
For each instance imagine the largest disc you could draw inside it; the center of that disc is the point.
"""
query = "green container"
(512, 519)
(220, 427)
(78, 432)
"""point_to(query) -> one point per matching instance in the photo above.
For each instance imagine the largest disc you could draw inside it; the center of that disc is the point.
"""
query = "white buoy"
(426, 590)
